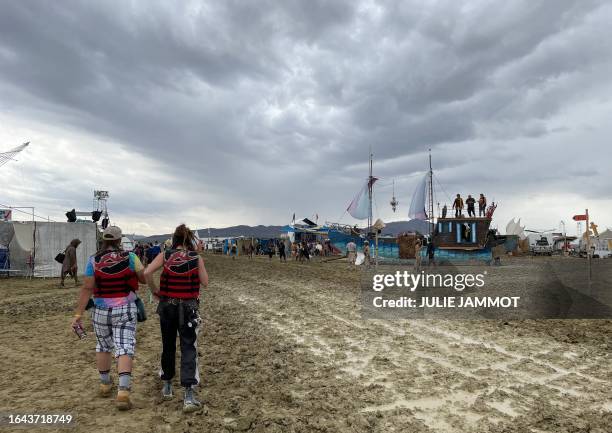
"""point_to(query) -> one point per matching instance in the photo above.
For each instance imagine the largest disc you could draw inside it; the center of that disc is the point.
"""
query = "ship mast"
(431, 198)
(370, 193)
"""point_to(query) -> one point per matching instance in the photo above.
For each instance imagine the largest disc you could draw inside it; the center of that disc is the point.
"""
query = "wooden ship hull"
(463, 239)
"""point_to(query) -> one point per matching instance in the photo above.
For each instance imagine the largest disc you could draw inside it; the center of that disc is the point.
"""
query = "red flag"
(580, 218)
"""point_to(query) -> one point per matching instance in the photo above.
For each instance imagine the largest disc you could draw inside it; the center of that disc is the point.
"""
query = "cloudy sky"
(234, 112)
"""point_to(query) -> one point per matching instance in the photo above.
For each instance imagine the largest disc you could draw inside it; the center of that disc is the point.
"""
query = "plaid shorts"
(115, 328)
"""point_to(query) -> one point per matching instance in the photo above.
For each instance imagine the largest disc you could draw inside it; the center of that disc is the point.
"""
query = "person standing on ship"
(471, 203)
(458, 206)
(482, 205)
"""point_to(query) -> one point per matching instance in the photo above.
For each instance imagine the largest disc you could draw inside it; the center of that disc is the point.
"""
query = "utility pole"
(564, 237)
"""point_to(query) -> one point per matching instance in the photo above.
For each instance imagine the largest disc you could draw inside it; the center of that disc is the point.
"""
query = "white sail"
(417, 206)
(360, 206)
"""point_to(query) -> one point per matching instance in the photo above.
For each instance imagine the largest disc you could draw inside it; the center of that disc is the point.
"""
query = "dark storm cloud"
(254, 100)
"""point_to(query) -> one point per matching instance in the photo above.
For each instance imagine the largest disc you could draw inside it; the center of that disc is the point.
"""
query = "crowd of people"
(299, 251)
(148, 251)
(109, 291)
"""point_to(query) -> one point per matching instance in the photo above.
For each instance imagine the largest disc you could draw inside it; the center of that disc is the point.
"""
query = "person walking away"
(69, 265)
(112, 276)
(139, 251)
(431, 253)
(233, 251)
(304, 253)
(351, 252)
(270, 250)
(366, 253)
(471, 202)
(154, 251)
(417, 255)
(183, 273)
(458, 206)
(282, 255)
(145, 252)
(482, 205)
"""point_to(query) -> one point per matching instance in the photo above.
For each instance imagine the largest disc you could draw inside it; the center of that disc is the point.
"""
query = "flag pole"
(588, 233)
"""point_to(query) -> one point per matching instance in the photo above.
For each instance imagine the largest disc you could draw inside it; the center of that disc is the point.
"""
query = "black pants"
(172, 321)
(481, 211)
(457, 212)
(471, 211)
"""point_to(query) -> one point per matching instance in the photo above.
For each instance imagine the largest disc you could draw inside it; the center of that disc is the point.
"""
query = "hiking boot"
(190, 404)
(123, 399)
(105, 389)
(167, 390)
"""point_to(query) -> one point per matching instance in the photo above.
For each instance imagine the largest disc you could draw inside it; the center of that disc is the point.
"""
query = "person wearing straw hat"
(112, 277)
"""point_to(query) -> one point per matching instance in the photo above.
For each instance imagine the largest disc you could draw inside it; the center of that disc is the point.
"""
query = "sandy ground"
(284, 349)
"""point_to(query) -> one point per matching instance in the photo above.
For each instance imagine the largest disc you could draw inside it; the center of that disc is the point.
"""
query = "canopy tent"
(33, 245)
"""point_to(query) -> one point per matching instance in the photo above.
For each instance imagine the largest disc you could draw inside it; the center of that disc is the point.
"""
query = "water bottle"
(79, 331)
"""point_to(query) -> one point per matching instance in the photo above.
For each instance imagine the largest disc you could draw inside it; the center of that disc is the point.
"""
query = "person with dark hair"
(482, 205)
(304, 253)
(183, 273)
(69, 265)
(139, 250)
(471, 202)
(366, 254)
(271, 249)
(153, 251)
(112, 276)
(282, 255)
(458, 206)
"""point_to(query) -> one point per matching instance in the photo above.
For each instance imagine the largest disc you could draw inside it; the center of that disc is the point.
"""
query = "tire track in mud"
(507, 398)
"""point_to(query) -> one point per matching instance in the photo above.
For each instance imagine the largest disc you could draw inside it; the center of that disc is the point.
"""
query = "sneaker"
(105, 389)
(190, 404)
(123, 399)
(167, 390)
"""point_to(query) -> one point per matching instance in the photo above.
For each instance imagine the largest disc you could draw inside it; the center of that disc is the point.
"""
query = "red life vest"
(113, 275)
(180, 277)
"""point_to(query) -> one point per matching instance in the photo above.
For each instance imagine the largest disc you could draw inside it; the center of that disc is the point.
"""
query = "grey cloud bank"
(232, 112)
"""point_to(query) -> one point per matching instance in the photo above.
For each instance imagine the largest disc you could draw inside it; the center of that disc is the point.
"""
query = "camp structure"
(601, 244)
(30, 247)
(605, 240)
(303, 230)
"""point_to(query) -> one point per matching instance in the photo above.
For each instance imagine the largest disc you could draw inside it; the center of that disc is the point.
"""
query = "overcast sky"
(232, 112)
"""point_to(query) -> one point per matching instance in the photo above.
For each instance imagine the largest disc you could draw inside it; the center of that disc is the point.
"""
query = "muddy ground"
(284, 349)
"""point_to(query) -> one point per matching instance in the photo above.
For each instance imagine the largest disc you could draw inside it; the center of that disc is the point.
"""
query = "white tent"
(33, 245)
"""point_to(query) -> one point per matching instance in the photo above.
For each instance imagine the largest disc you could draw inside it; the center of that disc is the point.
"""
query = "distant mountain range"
(393, 228)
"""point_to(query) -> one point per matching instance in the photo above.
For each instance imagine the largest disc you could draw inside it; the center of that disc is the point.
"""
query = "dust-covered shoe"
(190, 403)
(167, 390)
(123, 399)
(105, 389)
